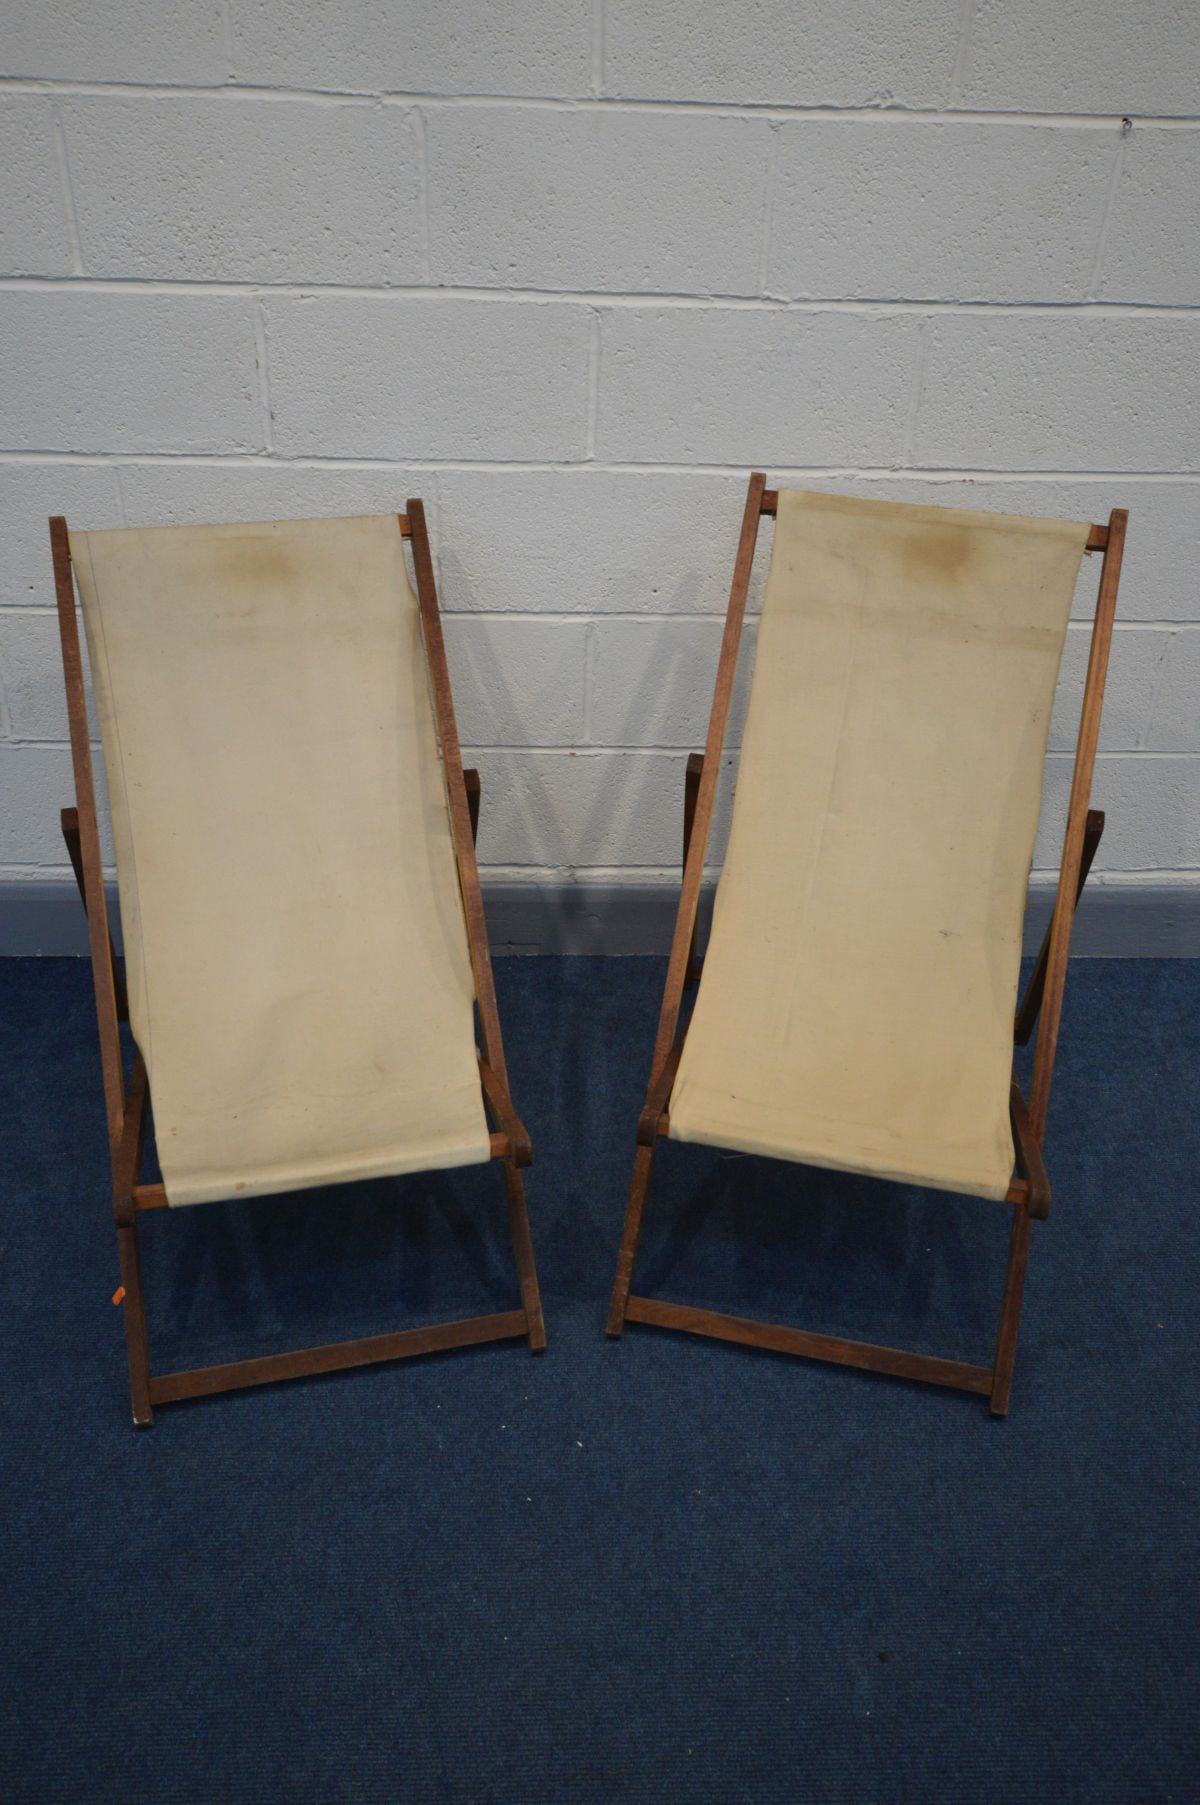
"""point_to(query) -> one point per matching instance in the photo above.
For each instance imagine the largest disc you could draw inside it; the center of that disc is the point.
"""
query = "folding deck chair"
(304, 935)
(855, 1007)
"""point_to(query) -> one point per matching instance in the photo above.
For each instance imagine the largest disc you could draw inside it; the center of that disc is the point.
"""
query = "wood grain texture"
(783, 1340)
(1069, 880)
(201, 1381)
(99, 938)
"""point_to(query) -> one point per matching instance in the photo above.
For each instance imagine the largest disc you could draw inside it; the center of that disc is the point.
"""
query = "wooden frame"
(1029, 1191)
(126, 1108)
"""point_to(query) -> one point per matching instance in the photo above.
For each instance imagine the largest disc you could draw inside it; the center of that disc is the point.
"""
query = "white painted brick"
(138, 41)
(595, 542)
(1134, 668)
(31, 676)
(591, 200)
(861, 53)
(517, 682)
(175, 494)
(652, 682)
(1083, 56)
(1152, 809)
(1152, 246)
(1160, 575)
(29, 493)
(731, 385)
(1034, 391)
(388, 376)
(1175, 725)
(424, 46)
(588, 541)
(587, 808)
(33, 224)
(237, 190)
(127, 372)
(36, 783)
(944, 212)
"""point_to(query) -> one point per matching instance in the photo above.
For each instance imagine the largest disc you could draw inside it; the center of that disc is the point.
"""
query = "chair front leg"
(126, 1171)
(632, 1234)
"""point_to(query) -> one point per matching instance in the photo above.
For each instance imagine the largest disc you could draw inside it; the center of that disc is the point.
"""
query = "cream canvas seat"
(299, 898)
(856, 1004)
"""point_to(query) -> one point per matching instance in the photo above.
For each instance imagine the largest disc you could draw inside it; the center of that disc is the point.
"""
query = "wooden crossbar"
(202, 1381)
(779, 1339)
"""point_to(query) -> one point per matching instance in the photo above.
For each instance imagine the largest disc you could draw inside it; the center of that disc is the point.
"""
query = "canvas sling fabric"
(297, 962)
(857, 999)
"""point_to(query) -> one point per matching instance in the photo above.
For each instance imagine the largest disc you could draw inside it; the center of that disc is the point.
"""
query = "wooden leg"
(1010, 1315)
(691, 792)
(640, 1184)
(137, 1340)
(1027, 1014)
(518, 1222)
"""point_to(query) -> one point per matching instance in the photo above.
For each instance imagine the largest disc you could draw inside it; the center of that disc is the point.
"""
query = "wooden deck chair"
(304, 934)
(855, 1008)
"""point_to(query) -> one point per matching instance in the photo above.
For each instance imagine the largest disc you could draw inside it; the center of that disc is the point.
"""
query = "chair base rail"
(203, 1381)
(779, 1339)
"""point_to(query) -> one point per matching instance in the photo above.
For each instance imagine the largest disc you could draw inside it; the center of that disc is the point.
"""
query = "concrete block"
(1175, 722)
(1082, 56)
(81, 371)
(244, 190)
(925, 211)
(524, 198)
(732, 385)
(34, 240)
(517, 682)
(864, 53)
(423, 47)
(1152, 246)
(390, 377)
(1070, 393)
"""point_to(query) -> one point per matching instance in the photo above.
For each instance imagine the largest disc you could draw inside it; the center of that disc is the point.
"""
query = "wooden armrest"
(69, 822)
(691, 793)
(1028, 1155)
(658, 1096)
(506, 1118)
(473, 788)
(1031, 1003)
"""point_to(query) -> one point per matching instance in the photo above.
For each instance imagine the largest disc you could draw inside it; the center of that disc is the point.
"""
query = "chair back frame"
(1029, 1191)
(126, 1107)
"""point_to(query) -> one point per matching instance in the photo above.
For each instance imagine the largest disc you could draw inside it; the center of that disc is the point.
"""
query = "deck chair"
(304, 937)
(855, 1007)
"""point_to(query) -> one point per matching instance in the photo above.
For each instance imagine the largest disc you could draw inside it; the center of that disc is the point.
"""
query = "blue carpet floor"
(654, 1570)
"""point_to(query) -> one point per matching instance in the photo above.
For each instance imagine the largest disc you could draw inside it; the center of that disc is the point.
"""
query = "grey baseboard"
(1115, 921)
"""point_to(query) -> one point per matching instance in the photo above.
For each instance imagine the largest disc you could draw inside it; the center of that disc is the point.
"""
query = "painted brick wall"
(568, 268)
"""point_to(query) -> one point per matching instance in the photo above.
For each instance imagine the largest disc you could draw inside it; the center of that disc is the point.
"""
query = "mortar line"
(418, 126)
(1110, 201)
(780, 471)
(263, 366)
(593, 387)
(966, 26)
(599, 46)
(769, 182)
(71, 216)
(893, 306)
(893, 113)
